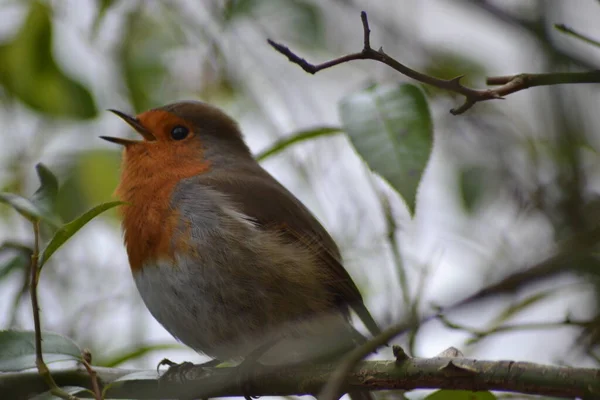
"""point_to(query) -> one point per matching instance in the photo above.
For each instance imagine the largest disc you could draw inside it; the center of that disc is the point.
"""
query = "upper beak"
(135, 124)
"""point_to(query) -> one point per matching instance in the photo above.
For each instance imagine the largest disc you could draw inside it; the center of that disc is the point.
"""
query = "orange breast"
(150, 220)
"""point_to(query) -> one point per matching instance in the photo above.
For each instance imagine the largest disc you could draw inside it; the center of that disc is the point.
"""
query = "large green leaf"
(17, 349)
(391, 128)
(68, 230)
(29, 72)
(460, 395)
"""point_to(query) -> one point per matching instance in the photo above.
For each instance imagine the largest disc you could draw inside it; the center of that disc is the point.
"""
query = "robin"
(225, 257)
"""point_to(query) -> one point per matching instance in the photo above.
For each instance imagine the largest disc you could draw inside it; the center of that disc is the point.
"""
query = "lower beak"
(135, 124)
(122, 142)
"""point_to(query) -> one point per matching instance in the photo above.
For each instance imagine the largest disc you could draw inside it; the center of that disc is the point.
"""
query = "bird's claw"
(176, 372)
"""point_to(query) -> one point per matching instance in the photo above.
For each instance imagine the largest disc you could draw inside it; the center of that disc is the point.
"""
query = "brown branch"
(405, 374)
(86, 357)
(472, 96)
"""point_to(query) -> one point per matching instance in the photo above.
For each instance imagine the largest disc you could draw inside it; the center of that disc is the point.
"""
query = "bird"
(223, 255)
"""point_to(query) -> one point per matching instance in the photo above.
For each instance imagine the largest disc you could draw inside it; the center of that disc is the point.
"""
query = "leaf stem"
(39, 359)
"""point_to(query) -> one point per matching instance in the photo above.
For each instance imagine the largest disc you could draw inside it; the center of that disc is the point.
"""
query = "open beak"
(135, 124)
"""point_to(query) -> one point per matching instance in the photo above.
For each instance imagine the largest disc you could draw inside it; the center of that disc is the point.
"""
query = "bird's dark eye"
(179, 132)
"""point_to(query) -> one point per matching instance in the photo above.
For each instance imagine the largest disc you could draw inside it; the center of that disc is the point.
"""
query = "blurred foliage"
(144, 53)
(302, 18)
(536, 168)
(92, 177)
(28, 71)
(445, 65)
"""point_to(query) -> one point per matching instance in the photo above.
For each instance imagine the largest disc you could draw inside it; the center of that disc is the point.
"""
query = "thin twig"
(331, 390)
(472, 96)
(39, 359)
(481, 334)
(569, 31)
(86, 361)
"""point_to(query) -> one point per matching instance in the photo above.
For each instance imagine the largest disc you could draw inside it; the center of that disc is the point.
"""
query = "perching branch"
(406, 373)
(509, 84)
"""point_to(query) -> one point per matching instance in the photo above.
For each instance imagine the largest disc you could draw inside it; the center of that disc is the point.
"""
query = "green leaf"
(103, 6)
(69, 229)
(17, 349)
(470, 183)
(26, 208)
(301, 136)
(20, 258)
(391, 129)
(90, 178)
(305, 21)
(29, 72)
(448, 65)
(45, 197)
(301, 21)
(460, 395)
(136, 353)
(41, 204)
(143, 46)
(238, 8)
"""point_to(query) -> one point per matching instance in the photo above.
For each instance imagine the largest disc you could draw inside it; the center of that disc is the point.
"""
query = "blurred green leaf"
(41, 204)
(238, 8)
(571, 32)
(391, 128)
(103, 6)
(297, 137)
(516, 308)
(91, 178)
(445, 65)
(68, 230)
(26, 208)
(17, 349)
(460, 395)
(19, 257)
(74, 390)
(29, 72)
(144, 44)
(301, 20)
(470, 183)
(45, 197)
(136, 353)
(305, 21)
(18, 261)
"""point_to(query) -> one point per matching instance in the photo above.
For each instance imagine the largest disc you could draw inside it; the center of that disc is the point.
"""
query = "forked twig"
(509, 84)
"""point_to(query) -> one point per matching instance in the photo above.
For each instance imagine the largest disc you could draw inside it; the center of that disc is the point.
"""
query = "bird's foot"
(243, 375)
(176, 372)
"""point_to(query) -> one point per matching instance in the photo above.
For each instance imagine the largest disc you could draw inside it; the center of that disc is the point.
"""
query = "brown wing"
(272, 206)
